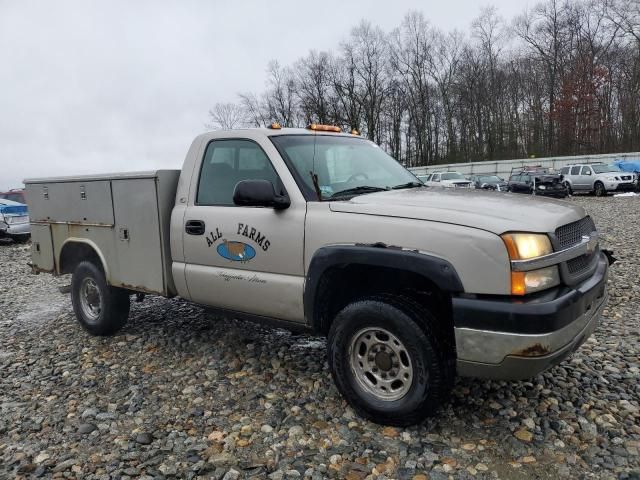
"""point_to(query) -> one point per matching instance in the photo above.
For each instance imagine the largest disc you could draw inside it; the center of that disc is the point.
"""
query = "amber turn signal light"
(324, 128)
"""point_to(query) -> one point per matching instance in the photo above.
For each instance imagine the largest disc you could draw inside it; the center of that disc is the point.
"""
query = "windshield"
(490, 178)
(452, 176)
(605, 168)
(341, 164)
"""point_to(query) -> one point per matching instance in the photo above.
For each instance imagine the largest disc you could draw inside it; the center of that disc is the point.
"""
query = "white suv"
(598, 178)
(448, 180)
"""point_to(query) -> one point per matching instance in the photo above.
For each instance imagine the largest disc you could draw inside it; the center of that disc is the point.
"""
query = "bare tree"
(226, 116)
(564, 79)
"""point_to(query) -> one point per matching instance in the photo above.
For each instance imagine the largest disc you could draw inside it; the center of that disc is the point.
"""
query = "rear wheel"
(100, 308)
(599, 189)
(388, 360)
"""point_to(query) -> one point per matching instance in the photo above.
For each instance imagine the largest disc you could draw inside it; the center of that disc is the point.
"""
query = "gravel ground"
(182, 393)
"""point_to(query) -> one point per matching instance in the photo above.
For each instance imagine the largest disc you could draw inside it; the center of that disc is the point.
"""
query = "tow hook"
(610, 258)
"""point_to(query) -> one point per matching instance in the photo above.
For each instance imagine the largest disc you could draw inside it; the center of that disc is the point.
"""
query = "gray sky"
(88, 86)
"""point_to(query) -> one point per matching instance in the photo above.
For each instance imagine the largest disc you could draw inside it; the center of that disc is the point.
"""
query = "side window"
(436, 178)
(586, 170)
(225, 163)
(575, 170)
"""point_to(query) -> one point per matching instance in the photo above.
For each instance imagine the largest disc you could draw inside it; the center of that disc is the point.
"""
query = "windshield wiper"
(408, 185)
(358, 190)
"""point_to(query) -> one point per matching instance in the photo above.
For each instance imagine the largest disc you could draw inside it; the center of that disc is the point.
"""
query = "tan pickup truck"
(317, 230)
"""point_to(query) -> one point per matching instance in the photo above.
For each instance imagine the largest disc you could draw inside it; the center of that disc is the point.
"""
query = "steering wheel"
(358, 176)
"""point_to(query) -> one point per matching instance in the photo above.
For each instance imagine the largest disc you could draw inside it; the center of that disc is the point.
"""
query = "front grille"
(571, 234)
(578, 264)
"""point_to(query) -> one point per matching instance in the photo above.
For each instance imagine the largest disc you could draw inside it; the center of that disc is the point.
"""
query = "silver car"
(14, 221)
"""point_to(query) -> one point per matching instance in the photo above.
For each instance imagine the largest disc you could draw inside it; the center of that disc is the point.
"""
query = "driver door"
(246, 259)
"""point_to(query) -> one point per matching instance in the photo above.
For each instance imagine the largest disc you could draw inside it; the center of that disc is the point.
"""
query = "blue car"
(14, 221)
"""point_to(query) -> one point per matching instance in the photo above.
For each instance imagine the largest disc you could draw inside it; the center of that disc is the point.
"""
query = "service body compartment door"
(72, 202)
(247, 259)
(42, 248)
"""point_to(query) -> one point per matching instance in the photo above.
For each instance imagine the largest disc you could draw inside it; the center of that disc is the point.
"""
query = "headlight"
(523, 246)
(542, 187)
(534, 280)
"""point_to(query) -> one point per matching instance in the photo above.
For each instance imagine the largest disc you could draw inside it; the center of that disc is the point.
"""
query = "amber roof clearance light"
(324, 128)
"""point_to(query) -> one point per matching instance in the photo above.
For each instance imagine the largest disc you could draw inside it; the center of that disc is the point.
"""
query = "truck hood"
(497, 213)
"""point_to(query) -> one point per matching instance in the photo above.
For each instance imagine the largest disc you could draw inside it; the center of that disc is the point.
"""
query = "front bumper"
(620, 187)
(552, 192)
(510, 338)
(15, 230)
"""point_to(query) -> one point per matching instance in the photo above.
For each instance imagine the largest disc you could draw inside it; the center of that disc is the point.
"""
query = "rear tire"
(599, 189)
(101, 309)
(388, 360)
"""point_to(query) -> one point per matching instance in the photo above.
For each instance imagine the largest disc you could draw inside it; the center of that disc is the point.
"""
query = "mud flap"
(610, 258)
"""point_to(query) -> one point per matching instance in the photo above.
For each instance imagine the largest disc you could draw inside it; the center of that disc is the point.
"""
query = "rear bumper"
(509, 338)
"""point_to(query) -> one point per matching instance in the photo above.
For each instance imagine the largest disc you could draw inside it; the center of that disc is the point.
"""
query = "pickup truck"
(321, 231)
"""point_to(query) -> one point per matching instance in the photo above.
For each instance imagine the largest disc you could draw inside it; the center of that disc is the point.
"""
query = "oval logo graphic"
(236, 251)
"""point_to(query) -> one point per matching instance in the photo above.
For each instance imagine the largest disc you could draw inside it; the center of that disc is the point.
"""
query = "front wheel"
(567, 185)
(388, 361)
(100, 309)
(599, 190)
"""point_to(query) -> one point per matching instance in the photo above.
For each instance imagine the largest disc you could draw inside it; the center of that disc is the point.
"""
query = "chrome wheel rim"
(90, 299)
(381, 364)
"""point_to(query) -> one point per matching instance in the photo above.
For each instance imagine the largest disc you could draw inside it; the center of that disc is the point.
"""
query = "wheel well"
(341, 285)
(75, 252)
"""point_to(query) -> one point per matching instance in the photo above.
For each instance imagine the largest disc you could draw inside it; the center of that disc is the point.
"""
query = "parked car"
(424, 178)
(14, 221)
(537, 181)
(15, 195)
(448, 180)
(489, 182)
(598, 178)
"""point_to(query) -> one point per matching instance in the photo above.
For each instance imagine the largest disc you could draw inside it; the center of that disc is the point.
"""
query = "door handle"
(194, 227)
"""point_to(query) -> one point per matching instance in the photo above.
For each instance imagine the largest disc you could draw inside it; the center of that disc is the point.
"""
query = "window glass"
(605, 168)
(453, 176)
(575, 170)
(586, 170)
(226, 162)
(340, 164)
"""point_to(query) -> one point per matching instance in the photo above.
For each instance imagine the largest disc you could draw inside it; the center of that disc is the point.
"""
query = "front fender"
(434, 269)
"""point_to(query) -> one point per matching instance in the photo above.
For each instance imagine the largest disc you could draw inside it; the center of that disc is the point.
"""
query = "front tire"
(388, 360)
(599, 190)
(567, 185)
(101, 309)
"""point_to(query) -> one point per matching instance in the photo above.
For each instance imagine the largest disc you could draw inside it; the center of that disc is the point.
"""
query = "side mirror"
(259, 193)
(588, 172)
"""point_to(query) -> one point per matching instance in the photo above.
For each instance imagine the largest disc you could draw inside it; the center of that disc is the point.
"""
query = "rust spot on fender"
(535, 350)
(135, 288)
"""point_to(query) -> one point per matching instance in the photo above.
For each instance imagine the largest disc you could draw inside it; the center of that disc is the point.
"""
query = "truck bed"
(125, 217)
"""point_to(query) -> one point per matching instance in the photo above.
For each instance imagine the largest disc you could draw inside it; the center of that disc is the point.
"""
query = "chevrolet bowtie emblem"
(592, 241)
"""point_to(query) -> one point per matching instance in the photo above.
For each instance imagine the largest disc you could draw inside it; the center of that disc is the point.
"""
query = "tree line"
(562, 78)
